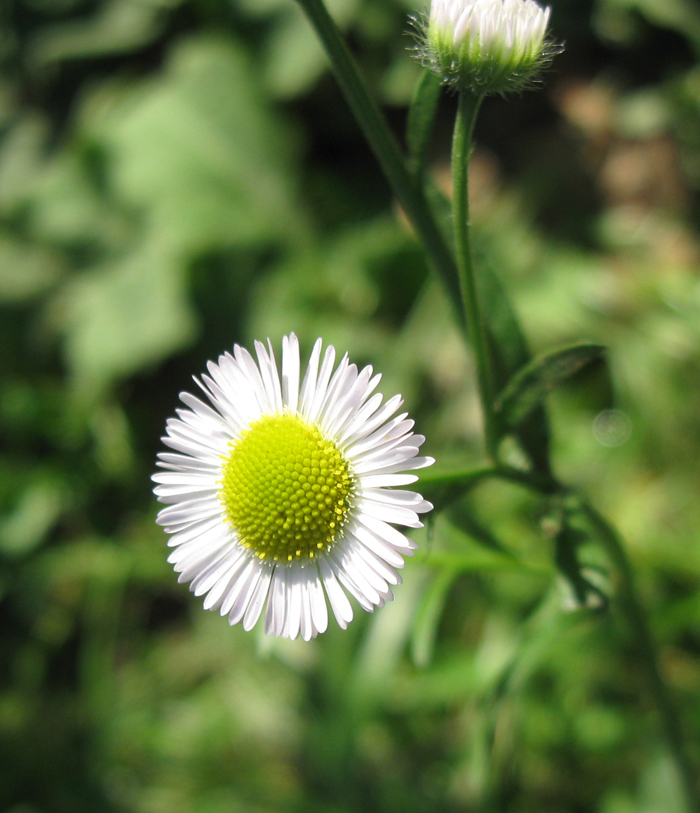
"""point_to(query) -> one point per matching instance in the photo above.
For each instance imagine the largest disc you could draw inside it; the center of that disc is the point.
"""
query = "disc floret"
(286, 489)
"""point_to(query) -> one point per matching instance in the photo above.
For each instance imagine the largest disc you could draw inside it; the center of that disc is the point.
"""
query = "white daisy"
(281, 493)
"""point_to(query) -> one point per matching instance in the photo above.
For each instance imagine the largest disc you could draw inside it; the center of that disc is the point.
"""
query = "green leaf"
(39, 507)
(428, 615)
(584, 592)
(294, 57)
(421, 120)
(117, 27)
(26, 269)
(124, 315)
(193, 162)
(530, 385)
(202, 156)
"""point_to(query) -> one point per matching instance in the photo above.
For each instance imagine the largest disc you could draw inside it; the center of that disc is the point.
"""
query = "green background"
(180, 175)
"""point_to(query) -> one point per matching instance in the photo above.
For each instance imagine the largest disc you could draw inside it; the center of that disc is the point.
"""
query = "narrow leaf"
(428, 616)
(529, 386)
(584, 592)
(421, 119)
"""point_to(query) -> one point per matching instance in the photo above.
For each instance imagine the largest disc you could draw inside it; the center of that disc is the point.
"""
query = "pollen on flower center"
(286, 489)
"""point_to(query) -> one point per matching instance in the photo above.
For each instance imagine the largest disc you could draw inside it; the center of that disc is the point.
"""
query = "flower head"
(281, 492)
(490, 46)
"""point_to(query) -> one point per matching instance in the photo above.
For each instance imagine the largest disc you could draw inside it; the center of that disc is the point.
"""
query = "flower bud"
(488, 46)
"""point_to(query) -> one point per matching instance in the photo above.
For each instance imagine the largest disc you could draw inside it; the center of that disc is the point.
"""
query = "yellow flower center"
(286, 489)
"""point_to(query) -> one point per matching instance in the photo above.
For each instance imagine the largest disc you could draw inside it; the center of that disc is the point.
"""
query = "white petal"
(387, 480)
(352, 577)
(342, 609)
(324, 376)
(399, 466)
(219, 590)
(307, 629)
(249, 585)
(292, 599)
(205, 581)
(239, 587)
(408, 499)
(390, 513)
(182, 462)
(195, 530)
(308, 388)
(378, 418)
(270, 377)
(378, 545)
(257, 600)
(392, 432)
(389, 534)
(290, 371)
(378, 565)
(276, 606)
(185, 513)
(317, 600)
(384, 461)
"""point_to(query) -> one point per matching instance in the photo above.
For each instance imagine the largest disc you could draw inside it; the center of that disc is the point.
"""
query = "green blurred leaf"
(40, 505)
(199, 151)
(124, 315)
(118, 26)
(532, 383)
(421, 120)
(21, 160)
(26, 269)
(202, 161)
(427, 618)
(584, 592)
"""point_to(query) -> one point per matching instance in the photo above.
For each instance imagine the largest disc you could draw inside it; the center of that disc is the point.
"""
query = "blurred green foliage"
(177, 175)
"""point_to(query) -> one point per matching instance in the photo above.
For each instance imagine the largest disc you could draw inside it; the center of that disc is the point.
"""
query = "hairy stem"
(467, 110)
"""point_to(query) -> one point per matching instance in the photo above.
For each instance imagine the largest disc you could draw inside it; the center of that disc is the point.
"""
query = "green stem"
(467, 110)
(632, 607)
(409, 194)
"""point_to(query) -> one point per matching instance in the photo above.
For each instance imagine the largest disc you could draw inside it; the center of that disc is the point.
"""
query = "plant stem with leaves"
(460, 281)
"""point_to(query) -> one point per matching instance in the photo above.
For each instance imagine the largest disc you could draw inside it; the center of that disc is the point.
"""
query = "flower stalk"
(467, 110)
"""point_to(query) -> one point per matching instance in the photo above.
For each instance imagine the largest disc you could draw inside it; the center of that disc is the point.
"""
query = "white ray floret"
(281, 493)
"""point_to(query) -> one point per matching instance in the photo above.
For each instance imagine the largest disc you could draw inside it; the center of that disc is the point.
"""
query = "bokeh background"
(179, 175)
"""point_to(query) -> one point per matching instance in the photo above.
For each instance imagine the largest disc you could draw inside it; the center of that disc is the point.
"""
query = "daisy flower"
(281, 492)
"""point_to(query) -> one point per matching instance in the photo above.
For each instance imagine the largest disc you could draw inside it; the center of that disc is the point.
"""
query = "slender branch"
(467, 110)
(384, 145)
(637, 621)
